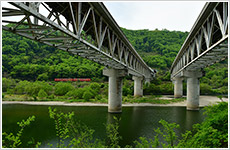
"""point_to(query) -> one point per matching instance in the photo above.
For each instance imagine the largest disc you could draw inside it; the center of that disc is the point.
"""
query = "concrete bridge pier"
(115, 89)
(138, 86)
(193, 90)
(178, 87)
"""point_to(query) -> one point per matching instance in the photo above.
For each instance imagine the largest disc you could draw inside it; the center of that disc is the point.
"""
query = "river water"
(135, 121)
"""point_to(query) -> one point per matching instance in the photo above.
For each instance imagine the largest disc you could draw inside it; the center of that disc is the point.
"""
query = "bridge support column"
(138, 86)
(115, 89)
(193, 90)
(178, 87)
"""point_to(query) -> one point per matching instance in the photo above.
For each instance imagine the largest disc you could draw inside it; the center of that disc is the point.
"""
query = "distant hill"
(158, 48)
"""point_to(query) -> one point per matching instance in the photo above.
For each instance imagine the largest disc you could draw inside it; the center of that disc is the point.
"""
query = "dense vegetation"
(28, 60)
(212, 133)
(159, 48)
(29, 69)
(16, 90)
(23, 59)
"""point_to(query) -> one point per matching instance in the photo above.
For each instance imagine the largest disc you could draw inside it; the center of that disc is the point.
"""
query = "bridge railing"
(82, 28)
(207, 41)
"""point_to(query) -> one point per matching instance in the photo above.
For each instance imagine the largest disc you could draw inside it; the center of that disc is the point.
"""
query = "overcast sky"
(171, 15)
(174, 15)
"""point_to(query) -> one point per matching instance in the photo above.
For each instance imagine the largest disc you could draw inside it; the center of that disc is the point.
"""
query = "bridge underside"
(206, 44)
(85, 29)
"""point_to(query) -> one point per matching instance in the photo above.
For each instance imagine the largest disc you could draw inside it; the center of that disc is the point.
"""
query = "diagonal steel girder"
(82, 26)
(207, 42)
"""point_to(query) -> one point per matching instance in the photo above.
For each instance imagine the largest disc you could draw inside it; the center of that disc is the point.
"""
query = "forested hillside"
(28, 60)
(157, 48)
(24, 59)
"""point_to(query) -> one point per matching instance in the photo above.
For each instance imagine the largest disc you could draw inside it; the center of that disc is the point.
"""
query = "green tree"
(34, 87)
(11, 140)
(61, 88)
(43, 77)
(21, 87)
(7, 84)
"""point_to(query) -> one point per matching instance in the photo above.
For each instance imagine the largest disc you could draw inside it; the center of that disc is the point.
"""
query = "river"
(135, 121)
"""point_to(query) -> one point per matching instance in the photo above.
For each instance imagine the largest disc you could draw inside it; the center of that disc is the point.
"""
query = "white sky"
(171, 15)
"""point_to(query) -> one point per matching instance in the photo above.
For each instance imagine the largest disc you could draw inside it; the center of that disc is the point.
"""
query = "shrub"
(222, 90)
(42, 94)
(62, 88)
(126, 91)
(11, 140)
(34, 88)
(127, 88)
(166, 88)
(87, 95)
(104, 89)
(98, 97)
(205, 89)
(211, 133)
(112, 130)
(95, 86)
(67, 128)
(7, 84)
(51, 96)
(21, 87)
(76, 93)
(151, 89)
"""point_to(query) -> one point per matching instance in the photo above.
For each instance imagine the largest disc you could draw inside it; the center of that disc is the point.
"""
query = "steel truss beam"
(207, 43)
(82, 28)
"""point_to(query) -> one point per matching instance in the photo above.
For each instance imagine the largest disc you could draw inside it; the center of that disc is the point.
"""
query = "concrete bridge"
(85, 29)
(206, 44)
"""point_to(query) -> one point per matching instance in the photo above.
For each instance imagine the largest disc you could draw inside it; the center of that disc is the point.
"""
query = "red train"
(73, 79)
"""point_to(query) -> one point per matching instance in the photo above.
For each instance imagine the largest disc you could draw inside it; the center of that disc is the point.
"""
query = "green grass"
(151, 99)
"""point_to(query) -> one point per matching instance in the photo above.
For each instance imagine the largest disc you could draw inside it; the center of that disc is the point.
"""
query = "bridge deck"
(207, 42)
(82, 28)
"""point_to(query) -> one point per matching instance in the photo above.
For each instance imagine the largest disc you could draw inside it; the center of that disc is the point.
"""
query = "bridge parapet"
(85, 29)
(207, 42)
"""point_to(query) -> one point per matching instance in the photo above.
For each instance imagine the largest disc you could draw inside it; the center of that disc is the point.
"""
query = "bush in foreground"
(212, 133)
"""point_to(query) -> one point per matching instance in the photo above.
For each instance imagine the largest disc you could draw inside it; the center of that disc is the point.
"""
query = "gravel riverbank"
(204, 101)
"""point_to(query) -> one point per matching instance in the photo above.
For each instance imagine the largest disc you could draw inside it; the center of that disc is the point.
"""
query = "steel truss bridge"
(206, 44)
(82, 28)
(85, 29)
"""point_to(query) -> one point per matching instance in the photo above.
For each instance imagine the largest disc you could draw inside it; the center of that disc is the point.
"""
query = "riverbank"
(204, 101)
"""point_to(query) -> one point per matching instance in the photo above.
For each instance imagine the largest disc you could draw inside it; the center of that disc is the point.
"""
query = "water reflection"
(135, 121)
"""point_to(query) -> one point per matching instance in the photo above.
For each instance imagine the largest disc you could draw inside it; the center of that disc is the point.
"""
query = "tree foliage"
(213, 132)
(62, 88)
(157, 48)
(25, 59)
(29, 60)
(11, 140)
